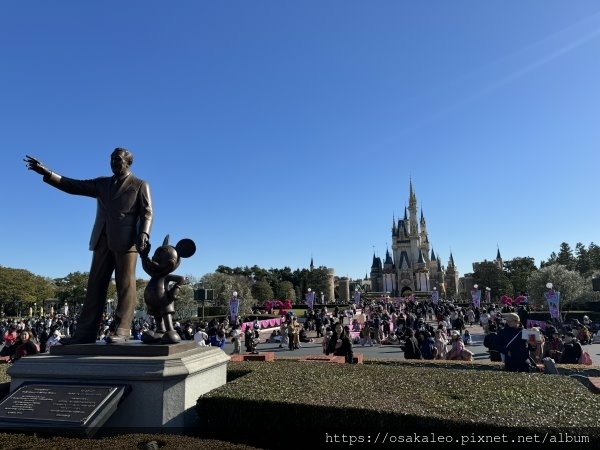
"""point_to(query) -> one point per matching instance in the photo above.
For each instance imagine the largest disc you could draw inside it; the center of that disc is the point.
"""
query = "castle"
(412, 267)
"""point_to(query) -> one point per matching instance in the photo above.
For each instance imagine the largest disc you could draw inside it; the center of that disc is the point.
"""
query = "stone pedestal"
(165, 380)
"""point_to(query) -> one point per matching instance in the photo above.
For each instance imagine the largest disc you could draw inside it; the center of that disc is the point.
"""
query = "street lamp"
(234, 306)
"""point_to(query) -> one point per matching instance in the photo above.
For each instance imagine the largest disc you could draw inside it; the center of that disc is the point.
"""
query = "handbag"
(585, 358)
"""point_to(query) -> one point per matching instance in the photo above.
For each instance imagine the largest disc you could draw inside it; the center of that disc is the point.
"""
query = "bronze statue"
(162, 289)
(122, 226)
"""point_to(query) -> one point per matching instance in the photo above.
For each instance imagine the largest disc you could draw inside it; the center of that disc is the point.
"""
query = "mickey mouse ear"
(185, 248)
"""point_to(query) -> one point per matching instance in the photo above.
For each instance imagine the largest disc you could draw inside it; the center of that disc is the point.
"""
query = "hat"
(454, 333)
(56, 333)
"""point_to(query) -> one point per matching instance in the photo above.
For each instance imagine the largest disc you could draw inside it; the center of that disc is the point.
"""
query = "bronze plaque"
(80, 408)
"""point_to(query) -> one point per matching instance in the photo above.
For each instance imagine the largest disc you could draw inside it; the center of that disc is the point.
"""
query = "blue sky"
(276, 131)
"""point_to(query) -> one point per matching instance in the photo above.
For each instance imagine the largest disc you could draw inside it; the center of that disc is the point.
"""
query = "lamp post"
(234, 306)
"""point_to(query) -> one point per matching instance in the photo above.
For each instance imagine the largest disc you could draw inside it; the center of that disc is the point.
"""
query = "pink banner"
(268, 323)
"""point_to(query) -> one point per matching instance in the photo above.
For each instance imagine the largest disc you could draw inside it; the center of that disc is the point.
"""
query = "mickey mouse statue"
(163, 288)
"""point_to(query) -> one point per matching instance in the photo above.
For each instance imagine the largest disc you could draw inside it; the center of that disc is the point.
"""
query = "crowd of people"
(423, 330)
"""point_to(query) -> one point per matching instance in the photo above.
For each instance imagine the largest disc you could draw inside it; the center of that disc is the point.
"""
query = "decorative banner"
(435, 297)
(66, 309)
(356, 297)
(310, 299)
(234, 304)
(487, 295)
(553, 299)
(476, 296)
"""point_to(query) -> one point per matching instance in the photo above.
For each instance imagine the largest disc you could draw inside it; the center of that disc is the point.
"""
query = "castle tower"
(389, 275)
(331, 286)
(499, 261)
(451, 278)
(376, 274)
(344, 290)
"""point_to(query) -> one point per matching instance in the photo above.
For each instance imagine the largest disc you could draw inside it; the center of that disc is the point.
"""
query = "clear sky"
(275, 131)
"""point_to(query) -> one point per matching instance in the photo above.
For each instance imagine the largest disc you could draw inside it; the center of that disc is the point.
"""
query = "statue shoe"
(117, 339)
(170, 337)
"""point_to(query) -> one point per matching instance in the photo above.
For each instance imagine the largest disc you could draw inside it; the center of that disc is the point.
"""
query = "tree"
(582, 263)
(594, 256)
(185, 305)
(518, 271)
(262, 291)
(20, 289)
(565, 256)
(488, 274)
(285, 290)
(72, 289)
(569, 283)
(553, 259)
(224, 285)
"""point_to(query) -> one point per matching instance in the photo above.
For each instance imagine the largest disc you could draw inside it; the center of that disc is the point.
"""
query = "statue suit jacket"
(123, 213)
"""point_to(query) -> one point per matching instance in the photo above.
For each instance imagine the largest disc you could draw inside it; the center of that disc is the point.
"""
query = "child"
(467, 338)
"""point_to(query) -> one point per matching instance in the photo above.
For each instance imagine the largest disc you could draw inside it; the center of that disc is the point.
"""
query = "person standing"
(236, 337)
(512, 345)
(121, 229)
(490, 342)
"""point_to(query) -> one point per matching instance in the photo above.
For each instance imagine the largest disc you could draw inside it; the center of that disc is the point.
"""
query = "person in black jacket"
(512, 345)
(490, 342)
(340, 344)
(572, 349)
(411, 345)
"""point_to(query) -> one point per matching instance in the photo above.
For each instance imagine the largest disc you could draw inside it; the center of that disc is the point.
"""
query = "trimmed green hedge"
(265, 404)
(396, 397)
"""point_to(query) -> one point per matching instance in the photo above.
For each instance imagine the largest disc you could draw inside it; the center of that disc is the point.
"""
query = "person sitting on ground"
(572, 350)
(467, 338)
(304, 336)
(201, 337)
(275, 337)
(366, 335)
(218, 340)
(457, 348)
(428, 348)
(340, 344)
(25, 345)
(584, 336)
(53, 340)
(554, 347)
